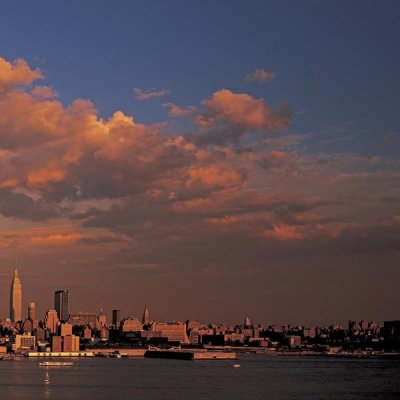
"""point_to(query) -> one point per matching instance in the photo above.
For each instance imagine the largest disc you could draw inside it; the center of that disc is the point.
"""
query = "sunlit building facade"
(16, 298)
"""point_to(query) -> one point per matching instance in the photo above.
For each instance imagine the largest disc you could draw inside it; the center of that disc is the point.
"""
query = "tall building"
(51, 320)
(392, 336)
(32, 311)
(101, 320)
(65, 329)
(145, 317)
(16, 298)
(61, 304)
(116, 317)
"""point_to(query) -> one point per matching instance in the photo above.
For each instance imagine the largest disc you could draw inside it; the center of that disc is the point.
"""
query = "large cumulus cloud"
(207, 194)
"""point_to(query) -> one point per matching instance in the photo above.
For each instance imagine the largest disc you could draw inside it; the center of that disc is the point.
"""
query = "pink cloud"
(143, 95)
(284, 232)
(176, 111)
(259, 75)
(161, 190)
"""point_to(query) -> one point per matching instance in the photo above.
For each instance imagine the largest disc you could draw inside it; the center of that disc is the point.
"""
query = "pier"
(190, 355)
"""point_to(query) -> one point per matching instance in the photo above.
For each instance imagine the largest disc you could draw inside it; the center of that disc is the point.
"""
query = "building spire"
(16, 298)
(145, 317)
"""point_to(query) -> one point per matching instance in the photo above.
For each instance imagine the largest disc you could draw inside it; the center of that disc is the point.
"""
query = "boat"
(55, 364)
(236, 365)
(115, 355)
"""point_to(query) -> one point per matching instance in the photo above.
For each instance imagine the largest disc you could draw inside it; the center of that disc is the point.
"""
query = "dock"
(124, 352)
(190, 355)
(59, 354)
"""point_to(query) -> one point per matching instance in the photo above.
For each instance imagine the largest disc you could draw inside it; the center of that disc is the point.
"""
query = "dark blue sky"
(335, 61)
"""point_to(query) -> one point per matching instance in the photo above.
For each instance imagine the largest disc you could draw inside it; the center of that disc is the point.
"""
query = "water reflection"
(47, 388)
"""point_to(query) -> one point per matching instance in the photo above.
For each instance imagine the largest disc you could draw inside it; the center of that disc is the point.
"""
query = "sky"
(210, 159)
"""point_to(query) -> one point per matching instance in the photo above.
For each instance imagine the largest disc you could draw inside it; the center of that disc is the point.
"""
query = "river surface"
(272, 378)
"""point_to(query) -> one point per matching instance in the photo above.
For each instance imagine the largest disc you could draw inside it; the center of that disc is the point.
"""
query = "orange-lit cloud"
(124, 184)
(242, 110)
(56, 239)
(16, 73)
(176, 111)
(284, 232)
(44, 176)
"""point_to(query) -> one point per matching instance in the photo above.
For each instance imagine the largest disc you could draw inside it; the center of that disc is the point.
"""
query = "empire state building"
(16, 298)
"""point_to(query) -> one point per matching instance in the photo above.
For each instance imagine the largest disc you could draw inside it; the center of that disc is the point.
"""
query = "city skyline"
(212, 160)
(61, 311)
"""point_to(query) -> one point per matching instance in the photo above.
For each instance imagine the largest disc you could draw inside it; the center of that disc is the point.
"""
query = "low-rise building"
(174, 332)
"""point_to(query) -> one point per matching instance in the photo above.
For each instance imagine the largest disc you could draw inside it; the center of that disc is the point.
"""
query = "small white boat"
(55, 364)
(236, 365)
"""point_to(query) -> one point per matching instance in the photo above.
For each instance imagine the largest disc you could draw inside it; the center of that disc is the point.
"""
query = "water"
(272, 378)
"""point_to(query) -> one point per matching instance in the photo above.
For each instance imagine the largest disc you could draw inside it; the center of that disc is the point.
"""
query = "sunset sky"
(211, 159)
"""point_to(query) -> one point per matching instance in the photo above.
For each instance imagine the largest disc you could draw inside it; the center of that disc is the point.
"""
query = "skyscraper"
(16, 298)
(145, 318)
(116, 317)
(61, 304)
(51, 321)
(32, 311)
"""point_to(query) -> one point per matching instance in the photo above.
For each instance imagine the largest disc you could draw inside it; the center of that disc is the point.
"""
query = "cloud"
(284, 232)
(15, 74)
(259, 75)
(140, 191)
(243, 112)
(143, 95)
(20, 205)
(176, 111)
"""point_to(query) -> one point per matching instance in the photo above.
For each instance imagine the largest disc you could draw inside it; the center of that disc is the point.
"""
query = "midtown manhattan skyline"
(212, 160)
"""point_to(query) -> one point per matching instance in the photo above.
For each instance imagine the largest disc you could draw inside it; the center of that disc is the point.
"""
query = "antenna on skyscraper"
(16, 262)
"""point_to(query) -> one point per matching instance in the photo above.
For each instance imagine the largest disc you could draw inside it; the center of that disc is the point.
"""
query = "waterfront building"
(70, 343)
(190, 324)
(131, 325)
(23, 342)
(39, 333)
(392, 336)
(309, 333)
(101, 320)
(83, 319)
(294, 341)
(56, 344)
(174, 332)
(87, 333)
(51, 321)
(32, 311)
(27, 325)
(61, 304)
(234, 337)
(104, 334)
(145, 317)
(65, 329)
(16, 298)
(116, 317)
(149, 335)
